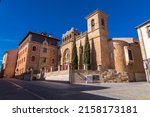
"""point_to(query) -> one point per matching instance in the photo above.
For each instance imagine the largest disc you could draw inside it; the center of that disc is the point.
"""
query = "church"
(121, 54)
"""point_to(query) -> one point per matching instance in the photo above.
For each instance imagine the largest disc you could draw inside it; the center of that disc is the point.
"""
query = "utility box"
(89, 79)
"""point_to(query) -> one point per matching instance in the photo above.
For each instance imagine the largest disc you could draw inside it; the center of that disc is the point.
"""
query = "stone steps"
(58, 76)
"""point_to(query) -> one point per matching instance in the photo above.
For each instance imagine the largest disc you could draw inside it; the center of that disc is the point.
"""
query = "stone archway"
(66, 59)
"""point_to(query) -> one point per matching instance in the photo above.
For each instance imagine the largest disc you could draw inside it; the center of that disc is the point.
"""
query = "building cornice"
(139, 26)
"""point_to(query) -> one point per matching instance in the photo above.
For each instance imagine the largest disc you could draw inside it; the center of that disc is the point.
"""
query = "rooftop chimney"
(50, 35)
(43, 33)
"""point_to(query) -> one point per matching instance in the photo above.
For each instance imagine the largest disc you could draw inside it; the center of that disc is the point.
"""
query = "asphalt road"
(12, 89)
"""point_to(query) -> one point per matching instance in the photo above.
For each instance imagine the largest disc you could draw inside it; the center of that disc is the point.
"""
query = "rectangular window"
(44, 60)
(103, 22)
(92, 24)
(53, 61)
(44, 50)
(130, 55)
(148, 31)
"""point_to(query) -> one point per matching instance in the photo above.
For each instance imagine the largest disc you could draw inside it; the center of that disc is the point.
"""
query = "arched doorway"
(66, 59)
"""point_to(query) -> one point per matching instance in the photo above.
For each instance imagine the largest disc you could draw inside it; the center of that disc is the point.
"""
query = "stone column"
(99, 67)
(59, 67)
(84, 67)
(51, 68)
(68, 67)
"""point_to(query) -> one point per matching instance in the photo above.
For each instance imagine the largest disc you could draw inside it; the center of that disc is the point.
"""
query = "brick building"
(9, 63)
(37, 52)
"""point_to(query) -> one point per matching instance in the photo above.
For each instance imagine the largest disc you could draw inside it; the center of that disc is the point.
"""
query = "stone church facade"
(121, 54)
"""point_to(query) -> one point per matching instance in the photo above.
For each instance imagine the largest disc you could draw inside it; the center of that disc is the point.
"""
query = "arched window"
(33, 58)
(34, 48)
(92, 24)
(102, 22)
(66, 56)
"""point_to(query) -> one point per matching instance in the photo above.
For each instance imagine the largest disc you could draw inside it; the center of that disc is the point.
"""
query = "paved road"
(12, 89)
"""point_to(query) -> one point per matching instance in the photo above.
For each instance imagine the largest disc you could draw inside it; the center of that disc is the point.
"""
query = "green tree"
(87, 52)
(74, 55)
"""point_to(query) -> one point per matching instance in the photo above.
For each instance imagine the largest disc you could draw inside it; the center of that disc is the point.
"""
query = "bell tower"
(98, 36)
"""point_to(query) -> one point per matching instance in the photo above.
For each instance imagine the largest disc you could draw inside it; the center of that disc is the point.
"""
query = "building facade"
(9, 63)
(98, 37)
(37, 52)
(121, 54)
(144, 37)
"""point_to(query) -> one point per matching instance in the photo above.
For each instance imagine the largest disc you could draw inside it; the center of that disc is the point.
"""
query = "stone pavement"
(124, 91)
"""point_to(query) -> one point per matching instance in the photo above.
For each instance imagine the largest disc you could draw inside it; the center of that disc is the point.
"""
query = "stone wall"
(111, 76)
(106, 76)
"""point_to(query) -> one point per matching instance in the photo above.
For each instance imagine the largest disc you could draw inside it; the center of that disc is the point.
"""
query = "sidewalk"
(124, 91)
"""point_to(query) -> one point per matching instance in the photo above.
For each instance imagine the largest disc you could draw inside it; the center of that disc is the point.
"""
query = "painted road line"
(15, 84)
(34, 94)
(26, 90)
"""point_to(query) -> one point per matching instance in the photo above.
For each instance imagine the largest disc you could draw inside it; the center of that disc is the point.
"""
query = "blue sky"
(17, 17)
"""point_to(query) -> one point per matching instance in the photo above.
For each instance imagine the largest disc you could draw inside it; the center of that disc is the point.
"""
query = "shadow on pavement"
(49, 91)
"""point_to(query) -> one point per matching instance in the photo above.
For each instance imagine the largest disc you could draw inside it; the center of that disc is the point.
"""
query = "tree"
(74, 55)
(87, 52)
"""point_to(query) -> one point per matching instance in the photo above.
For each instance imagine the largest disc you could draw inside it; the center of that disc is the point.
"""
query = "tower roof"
(95, 12)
